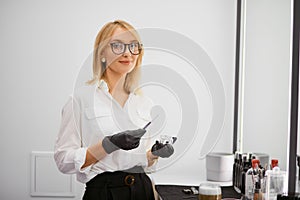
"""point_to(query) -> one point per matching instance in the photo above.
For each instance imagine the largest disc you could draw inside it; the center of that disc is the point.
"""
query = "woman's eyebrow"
(117, 40)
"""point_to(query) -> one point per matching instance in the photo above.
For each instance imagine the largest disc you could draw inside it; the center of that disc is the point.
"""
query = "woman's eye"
(117, 45)
(134, 45)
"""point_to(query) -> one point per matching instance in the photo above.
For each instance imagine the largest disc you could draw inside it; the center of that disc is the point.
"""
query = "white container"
(263, 159)
(219, 166)
(276, 183)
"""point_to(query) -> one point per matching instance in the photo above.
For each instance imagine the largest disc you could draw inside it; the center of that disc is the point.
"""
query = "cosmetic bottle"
(237, 187)
(298, 163)
(275, 183)
(234, 170)
(241, 173)
(251, 179)
(246, 166)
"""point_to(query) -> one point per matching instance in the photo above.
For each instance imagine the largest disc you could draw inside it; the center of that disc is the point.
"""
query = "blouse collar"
(103, 85)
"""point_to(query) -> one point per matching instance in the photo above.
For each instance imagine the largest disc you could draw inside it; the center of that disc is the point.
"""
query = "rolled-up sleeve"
(69, 154)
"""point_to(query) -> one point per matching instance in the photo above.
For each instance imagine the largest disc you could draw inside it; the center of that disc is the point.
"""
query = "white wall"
(267, 78)
(45, 43)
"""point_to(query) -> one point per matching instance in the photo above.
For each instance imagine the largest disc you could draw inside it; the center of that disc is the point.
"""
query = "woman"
(101, 139)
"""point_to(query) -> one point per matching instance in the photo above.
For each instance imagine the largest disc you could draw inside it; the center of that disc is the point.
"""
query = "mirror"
(265, 78)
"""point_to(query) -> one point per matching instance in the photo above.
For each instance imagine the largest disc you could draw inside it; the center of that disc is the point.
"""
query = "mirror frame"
(294, 99)
(294, 90)
(237, 72)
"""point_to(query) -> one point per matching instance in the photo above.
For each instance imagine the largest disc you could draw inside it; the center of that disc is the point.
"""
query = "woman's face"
(122, 63)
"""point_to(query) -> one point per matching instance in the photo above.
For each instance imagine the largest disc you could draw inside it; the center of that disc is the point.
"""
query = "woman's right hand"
(162, 150)
(125, 140)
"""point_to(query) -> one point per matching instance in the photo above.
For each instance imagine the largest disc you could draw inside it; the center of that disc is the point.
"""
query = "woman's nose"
(127, 52)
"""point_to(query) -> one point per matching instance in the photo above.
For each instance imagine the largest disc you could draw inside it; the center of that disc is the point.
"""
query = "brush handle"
(147, 125)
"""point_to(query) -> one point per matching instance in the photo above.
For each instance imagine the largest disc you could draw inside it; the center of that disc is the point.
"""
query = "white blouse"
(90, 114)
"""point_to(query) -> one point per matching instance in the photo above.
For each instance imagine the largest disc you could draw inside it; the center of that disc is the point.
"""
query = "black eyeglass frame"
(140, 47)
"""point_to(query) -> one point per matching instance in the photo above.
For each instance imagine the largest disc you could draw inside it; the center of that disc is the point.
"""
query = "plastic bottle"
(273, 166)
(251, 179)
(275, 183)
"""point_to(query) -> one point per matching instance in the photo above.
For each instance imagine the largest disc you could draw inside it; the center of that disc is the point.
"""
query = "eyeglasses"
(118, 48)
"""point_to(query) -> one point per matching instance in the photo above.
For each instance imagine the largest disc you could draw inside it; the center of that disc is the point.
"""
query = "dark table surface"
(175, 192)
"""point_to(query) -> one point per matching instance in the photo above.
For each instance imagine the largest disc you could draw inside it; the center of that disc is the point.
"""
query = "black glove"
(162, 150)
(126, 140)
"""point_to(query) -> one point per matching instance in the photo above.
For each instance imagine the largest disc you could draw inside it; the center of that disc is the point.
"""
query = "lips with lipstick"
(125, 62)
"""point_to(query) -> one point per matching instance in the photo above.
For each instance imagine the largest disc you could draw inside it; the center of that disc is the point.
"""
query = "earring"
(103, 63)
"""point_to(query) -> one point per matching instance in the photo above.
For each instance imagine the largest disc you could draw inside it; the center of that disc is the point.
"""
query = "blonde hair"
(102, 40)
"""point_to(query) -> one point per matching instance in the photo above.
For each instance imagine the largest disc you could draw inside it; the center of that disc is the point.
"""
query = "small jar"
(210, 191)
